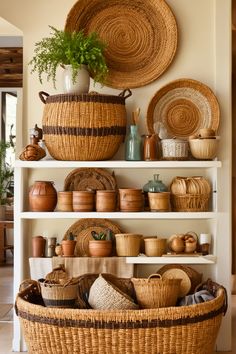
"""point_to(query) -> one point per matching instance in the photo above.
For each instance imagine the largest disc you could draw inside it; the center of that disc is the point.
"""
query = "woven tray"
(141, 37)
(183, 107)
(82, 179)
(82, 229)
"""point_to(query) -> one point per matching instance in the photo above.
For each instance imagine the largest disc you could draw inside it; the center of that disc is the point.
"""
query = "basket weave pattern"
(188, 329)
(84, 127)
(156, 292)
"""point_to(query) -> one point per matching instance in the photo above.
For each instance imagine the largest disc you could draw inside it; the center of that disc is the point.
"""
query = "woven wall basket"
(141, 37)
(84, 127)
(183, 107)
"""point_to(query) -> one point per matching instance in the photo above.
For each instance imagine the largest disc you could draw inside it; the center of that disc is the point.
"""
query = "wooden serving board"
(182, 255)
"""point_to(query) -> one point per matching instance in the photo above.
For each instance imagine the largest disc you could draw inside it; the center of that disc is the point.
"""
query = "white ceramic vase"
(81, 84)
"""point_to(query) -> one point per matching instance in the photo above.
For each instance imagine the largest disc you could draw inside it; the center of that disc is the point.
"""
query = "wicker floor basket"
(84, 127)
(173, 330)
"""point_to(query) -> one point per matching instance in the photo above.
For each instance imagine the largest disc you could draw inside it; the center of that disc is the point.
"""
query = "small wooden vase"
(100, 248)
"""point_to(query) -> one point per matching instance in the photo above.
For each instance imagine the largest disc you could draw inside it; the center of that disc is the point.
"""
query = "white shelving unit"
(23, 217)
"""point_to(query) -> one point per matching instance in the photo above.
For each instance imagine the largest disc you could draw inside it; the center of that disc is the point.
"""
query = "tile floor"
(6, 312)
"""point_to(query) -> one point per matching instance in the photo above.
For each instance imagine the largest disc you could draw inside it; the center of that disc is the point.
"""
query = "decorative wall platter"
(82, 229)
(183, 107)
(141, 37)
(82, 179)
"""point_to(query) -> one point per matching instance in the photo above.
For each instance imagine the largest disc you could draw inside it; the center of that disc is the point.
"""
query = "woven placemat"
(82, 179)
(183, 107)
(82, 229)
(141, 37)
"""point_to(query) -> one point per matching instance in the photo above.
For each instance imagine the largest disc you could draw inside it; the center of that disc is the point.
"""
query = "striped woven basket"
(186, 329)
(84, 127)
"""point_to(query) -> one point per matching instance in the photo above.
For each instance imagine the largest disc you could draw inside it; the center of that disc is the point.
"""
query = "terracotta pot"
(68, 248)
(38, 246)
(83, 201)
(106, 200)
(100, 248)
(42, 196)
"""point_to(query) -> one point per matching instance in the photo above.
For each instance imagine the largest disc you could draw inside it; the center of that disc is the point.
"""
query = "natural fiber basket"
(104, 295)
(188, 329)
(190, 278)
(57, 295)
(174, 149)
(84, 127)
(155, 292)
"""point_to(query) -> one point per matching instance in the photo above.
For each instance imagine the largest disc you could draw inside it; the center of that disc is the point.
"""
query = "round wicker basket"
(84, 127)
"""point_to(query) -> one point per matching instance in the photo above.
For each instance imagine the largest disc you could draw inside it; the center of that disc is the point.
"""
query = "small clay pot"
(68, 248)
(100, 248)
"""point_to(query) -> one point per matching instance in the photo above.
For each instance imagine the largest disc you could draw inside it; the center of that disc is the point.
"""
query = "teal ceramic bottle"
(133, 145)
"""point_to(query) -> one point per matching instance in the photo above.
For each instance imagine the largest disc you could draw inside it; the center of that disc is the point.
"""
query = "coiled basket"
(84, 127)
(170, 330)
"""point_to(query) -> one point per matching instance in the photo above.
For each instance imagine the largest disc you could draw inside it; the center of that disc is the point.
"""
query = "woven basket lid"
(183, 107)
(175, 273)
(82, 229)
(82, 179)
(141, 37)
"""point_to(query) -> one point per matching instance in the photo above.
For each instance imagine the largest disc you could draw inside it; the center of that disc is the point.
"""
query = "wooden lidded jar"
(42, 196)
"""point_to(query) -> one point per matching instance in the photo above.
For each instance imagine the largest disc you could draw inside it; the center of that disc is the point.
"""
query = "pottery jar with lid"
(42, 196)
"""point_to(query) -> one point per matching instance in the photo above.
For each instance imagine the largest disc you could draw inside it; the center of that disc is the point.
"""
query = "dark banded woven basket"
(170, 330)
(87, 127)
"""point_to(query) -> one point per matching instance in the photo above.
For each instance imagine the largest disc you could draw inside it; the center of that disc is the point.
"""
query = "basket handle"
(41, 96)
(155, 275)
(122, 94)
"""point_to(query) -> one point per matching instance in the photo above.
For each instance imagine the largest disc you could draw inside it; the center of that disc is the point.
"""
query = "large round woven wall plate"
(183, 107)
(141, 37)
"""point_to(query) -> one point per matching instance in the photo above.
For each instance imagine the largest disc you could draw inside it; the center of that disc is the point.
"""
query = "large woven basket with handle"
(186, 329)
(84, 127)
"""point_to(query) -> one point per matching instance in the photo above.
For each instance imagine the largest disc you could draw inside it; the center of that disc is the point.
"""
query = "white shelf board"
(117, 164)
(209, 259)
(117, 215)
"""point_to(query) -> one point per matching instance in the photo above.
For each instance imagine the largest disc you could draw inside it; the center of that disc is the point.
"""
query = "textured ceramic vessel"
(100, 248)
(42, 196)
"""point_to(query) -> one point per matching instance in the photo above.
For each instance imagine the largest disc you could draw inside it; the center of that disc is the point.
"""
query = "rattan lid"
(183, 107)
(82, 179)
(174, 273)
(82, 229)
(141, 37)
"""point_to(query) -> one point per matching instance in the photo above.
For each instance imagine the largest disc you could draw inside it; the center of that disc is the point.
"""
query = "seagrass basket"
(187, 329)
(155, 292)
(84, 127)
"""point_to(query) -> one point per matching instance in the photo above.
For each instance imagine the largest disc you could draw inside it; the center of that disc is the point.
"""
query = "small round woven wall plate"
(82, 229)
(82, 179)
(183, 107)
(141, 37)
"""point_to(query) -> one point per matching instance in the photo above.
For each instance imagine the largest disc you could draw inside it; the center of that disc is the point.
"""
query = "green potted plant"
(101, 244)
(68, 245)
(75, 52)
(6, 179)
